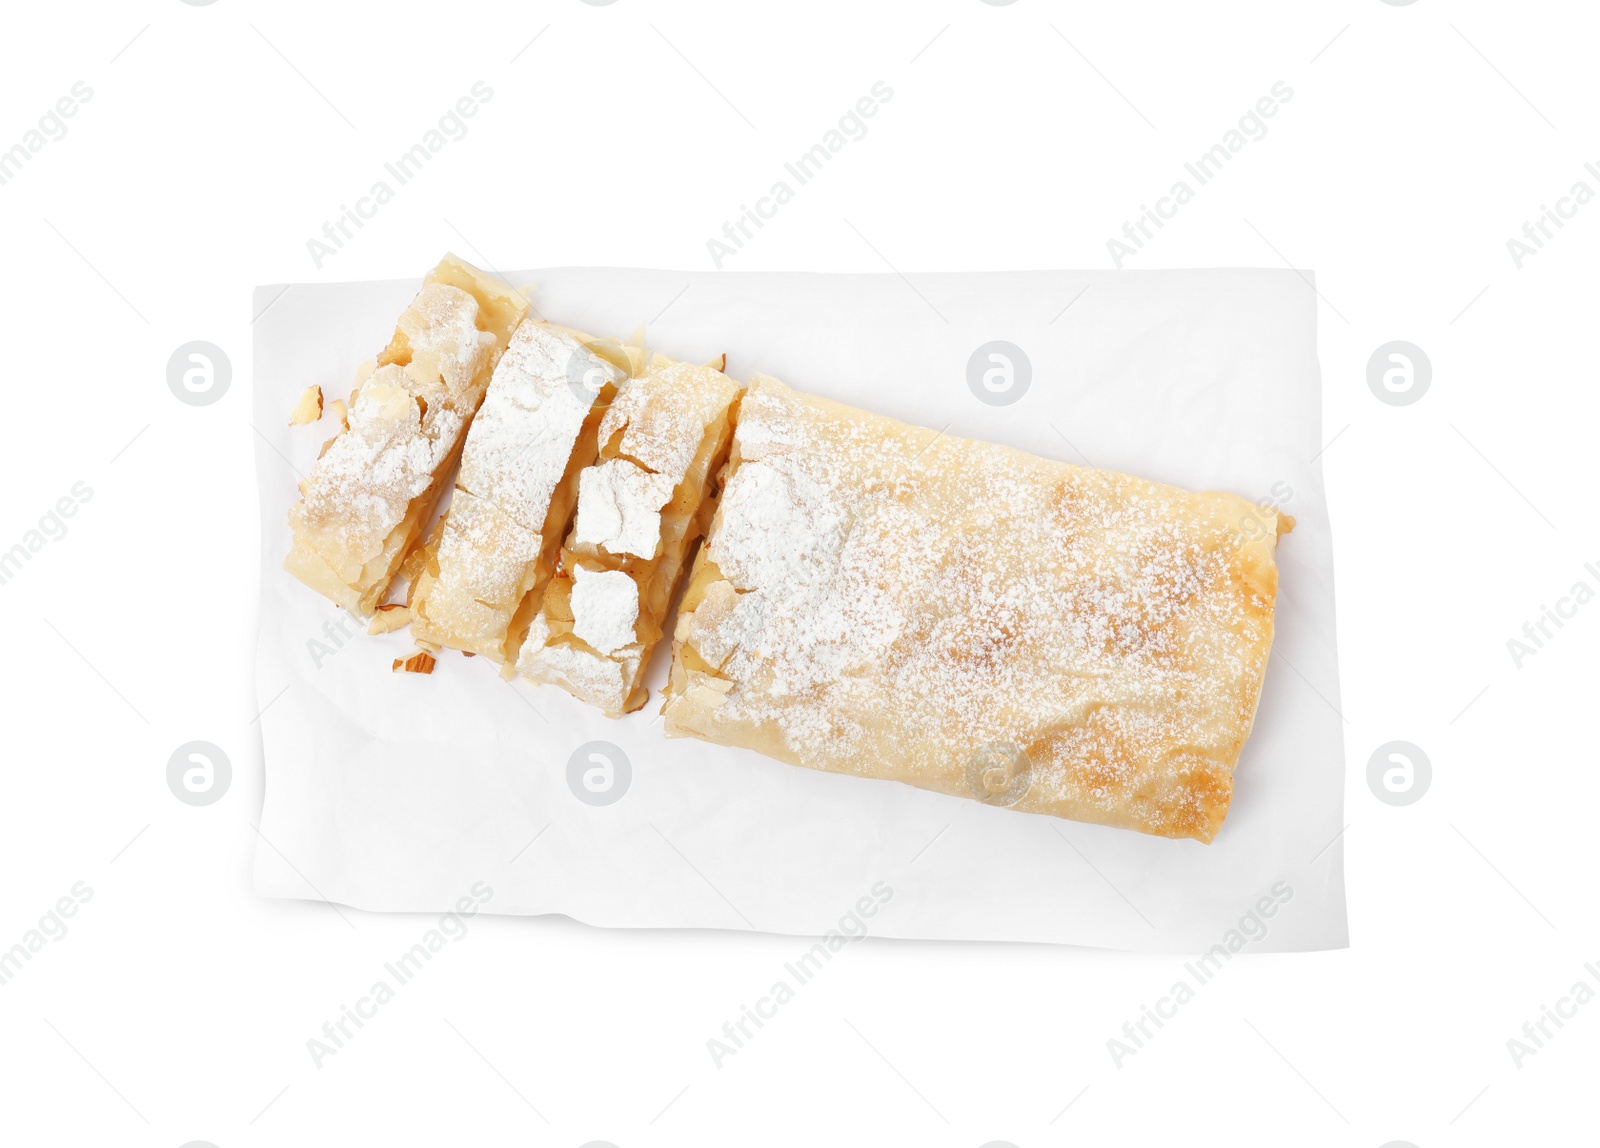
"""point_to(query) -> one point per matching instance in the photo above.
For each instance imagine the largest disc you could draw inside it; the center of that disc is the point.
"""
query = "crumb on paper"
(420, 662)
(308, 409)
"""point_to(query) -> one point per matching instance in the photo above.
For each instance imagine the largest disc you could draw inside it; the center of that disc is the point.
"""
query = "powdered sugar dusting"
(605, 609)
(441, 327)
(405, 423)
(518, 450)
(897, 600)
(601, 682)
(525, 431)
(663, 436)
(619, 507)
(661, 441)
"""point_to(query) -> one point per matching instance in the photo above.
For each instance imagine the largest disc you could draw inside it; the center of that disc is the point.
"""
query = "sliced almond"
(420, 662)
(389, 618)
(720, 363)
(469, 654)
(308, 409)
(338, 410)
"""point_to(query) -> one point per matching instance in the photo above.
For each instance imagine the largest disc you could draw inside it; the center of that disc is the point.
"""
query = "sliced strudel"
(484, 571)
(880, 600)
(370, 494)
(641, 507)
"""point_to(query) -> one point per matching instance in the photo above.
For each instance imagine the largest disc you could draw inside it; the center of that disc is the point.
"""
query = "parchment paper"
(398, 792)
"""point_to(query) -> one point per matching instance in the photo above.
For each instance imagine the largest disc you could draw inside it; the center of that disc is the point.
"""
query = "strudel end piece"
(641, 507)
(880, 600)
(370, 494)
(482, 574)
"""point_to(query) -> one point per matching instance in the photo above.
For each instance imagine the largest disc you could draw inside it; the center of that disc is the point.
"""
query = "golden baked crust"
(377, 482)
(641, 506)
(881, 600)
(483, 572)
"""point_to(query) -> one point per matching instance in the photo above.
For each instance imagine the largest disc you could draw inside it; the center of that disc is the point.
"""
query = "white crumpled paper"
(398, 792)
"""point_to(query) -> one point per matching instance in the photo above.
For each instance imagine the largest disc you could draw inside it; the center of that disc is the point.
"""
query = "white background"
(220, 138)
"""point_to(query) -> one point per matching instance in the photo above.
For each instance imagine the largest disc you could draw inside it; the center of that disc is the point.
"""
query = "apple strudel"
(484, 571)
(641, 507)
(880, 600)
(371, 492)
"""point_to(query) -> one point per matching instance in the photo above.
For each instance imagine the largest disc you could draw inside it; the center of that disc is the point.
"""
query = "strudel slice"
(372, 491)
(641, 507)
(880, 600)
(482, 574)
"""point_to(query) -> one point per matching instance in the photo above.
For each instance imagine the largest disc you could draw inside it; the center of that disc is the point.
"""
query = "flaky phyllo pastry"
(372, 491)
(641, 506)
(483, 573)
(871, 598)
(880, 600)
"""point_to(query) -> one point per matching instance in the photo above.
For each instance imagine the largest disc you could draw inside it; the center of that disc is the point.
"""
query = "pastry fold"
(376, 484)
(641, 506)
(485, 568)
(881, 600)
